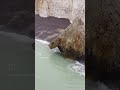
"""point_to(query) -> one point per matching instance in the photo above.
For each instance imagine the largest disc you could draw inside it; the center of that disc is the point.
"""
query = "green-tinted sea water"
(53, 72)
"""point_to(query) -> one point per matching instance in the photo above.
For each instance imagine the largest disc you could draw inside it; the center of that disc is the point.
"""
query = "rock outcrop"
(61, 8)
(102, 38)
(71, 42)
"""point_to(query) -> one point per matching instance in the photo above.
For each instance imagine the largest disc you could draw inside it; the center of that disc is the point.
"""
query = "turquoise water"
(53, 72)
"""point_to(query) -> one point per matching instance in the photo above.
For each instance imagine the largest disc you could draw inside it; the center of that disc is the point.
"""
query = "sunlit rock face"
(71, 42)
(61, 8)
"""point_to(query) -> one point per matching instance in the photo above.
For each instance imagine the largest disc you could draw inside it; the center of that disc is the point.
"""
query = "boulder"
(71, 42)
(102, 39)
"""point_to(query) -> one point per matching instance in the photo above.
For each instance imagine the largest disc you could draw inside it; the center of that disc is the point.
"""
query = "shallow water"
(53, 72)
(17, 57)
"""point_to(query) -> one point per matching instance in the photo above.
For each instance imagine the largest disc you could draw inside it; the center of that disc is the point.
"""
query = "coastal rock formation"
(71, 42)
(61, 8)
(103, 37)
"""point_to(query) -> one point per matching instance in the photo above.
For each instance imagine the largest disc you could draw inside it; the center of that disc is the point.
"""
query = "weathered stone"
(61, 8)
(103, 37)
(72, 41)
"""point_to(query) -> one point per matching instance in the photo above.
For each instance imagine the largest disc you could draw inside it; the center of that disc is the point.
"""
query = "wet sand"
(47, 28)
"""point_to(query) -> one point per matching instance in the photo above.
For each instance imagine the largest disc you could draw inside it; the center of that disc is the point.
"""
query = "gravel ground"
(47, 28)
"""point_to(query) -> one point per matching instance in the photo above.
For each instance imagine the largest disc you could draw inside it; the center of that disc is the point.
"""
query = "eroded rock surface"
(102, 39)
(61, 8)
(71, 42)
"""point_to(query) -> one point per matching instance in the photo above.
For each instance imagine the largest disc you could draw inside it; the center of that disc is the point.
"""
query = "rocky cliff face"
(61, 8)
